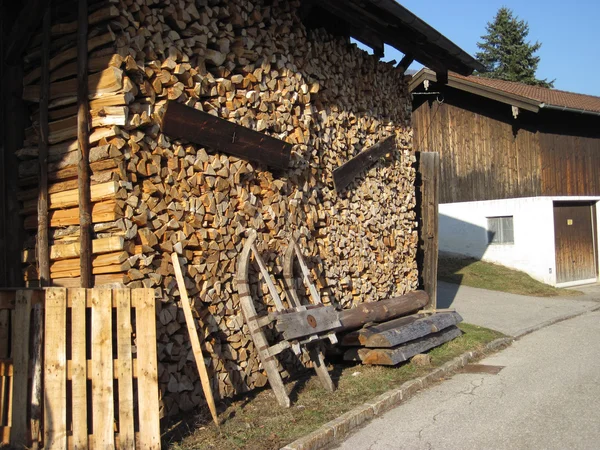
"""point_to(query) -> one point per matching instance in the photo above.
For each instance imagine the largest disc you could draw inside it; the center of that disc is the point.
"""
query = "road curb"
(556, 320)
(339, 428)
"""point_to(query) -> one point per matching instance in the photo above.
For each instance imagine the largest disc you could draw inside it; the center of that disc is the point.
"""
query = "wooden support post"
(43, 248)
(429, 168)
(83, 138)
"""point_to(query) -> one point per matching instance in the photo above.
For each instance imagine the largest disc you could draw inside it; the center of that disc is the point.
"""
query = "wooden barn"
(520, 172)
(138, 131)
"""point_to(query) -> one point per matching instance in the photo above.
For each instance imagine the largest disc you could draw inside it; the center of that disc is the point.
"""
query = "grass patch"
(485, 275)
(256, 422)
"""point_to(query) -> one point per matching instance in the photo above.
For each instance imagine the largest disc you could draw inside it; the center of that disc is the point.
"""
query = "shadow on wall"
(460, 244)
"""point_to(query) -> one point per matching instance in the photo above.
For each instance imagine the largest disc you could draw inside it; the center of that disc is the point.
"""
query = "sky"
(568, 30)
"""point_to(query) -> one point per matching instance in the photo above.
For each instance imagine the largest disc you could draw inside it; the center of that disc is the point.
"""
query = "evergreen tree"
(505, 53)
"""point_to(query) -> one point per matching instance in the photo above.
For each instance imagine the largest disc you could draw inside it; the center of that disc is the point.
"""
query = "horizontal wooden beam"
(184, 122)
(343, 175)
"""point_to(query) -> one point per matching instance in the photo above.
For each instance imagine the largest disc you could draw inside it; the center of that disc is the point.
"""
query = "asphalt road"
(547, 396)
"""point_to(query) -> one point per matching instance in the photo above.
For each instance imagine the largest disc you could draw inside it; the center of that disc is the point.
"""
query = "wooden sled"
(300, 325)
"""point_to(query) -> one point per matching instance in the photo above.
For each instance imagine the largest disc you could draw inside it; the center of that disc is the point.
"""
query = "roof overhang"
(477, 89)
(379, 22)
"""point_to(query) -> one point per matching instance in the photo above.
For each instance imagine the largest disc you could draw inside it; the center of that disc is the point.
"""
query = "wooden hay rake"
(100, 385)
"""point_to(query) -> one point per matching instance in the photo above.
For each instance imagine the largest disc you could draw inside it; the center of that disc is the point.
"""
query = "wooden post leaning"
(315, 350)
(191, 326)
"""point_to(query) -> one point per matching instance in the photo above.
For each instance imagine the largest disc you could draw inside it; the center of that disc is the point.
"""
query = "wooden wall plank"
(145, 314)
(102, 363)
(55, 369)
(77, 298)
(124, 332)
(184, 122)
(19, 435)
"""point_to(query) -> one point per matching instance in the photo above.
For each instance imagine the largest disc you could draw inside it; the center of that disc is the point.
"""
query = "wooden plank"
(105, 211)
(124, 333)
(103, 412)
(191, 326)
(19, 435)
(184, 122)
(429, 167)
(67, 199)
(79, 369)
(391, 337)
(382, 310)
(55, 369)
(401, 353)
(346, 173)
(313, 321)
(36, 375)
(265, 273)
(66, 251)
(148, 406)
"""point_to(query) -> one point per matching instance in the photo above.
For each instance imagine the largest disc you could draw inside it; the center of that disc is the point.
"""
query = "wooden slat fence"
(100, 386)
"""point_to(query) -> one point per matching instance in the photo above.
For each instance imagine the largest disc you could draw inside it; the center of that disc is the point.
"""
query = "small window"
(500, 230)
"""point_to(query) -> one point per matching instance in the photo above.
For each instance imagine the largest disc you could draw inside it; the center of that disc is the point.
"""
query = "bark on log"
(383, 310)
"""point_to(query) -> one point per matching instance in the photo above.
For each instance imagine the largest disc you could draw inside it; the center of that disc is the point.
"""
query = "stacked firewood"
(254, 63)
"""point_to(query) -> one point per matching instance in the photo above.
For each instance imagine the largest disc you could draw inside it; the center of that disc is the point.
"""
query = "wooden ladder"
(300, 325)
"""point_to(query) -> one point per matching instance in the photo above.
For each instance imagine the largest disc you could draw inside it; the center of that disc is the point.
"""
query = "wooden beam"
(83, 140)
(382, 310)
(429, 170)
(405, 62)
(399, 331)
(343, 175)
(401, 353)
(42, 206)
(24, 27)
(184, 122)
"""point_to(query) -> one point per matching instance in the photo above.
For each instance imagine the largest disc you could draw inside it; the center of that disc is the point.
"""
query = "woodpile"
(253, 63)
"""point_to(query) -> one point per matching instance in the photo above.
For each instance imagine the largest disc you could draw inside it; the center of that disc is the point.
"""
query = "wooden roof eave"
(477, 89)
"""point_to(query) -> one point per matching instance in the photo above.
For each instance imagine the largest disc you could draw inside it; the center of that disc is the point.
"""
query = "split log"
(401, 353)
(399, 331)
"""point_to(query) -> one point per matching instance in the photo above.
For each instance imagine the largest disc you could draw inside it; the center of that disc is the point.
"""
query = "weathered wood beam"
(405, 62)
(382, 310)
(184, 122)
(401, 353)
(83, 140)
(343, 175)
(429, 170)
(402, 330)
(24, 27)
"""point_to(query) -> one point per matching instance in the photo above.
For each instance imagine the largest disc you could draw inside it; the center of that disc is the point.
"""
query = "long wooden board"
(55, 369)
(103, 412)
(145, 314)
(184, 122)
(19, 437)
(347, 172)
(124, 332)
(77, 298)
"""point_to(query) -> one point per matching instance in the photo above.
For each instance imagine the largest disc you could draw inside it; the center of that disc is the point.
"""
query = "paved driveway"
(547, 396)
(513, 314)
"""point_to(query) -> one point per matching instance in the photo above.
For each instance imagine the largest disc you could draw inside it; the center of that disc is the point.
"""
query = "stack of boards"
(398, 340)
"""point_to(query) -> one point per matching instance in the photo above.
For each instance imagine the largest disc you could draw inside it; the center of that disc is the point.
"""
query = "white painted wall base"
(463, 231)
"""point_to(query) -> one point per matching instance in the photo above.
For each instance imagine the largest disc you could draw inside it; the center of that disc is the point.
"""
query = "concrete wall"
(463, 231)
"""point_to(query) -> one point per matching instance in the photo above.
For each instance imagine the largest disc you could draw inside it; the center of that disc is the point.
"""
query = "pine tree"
(505, 53)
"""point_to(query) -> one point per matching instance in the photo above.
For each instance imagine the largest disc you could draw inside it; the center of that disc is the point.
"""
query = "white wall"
(463, 230)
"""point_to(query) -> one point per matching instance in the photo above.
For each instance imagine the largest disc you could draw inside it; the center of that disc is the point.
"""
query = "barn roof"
(532, 98)
(375, 22)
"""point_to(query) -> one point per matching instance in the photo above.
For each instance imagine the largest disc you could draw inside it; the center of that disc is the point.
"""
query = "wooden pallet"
(100, 369)
(299, 324)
